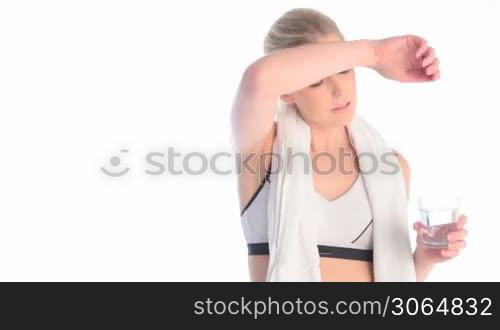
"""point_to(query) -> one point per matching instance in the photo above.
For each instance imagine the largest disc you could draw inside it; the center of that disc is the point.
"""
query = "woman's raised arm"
(405, 58)
(285, 71)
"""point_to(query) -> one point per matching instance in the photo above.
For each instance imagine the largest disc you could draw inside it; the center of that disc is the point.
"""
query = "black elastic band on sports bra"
(345, 253)
(324, 251)
(266, 178)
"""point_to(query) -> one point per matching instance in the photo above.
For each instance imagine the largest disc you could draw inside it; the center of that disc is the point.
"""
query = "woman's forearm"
(287, 70)
(422, 269)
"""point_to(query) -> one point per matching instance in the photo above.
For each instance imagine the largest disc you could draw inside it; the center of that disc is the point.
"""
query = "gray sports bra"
(345, 226)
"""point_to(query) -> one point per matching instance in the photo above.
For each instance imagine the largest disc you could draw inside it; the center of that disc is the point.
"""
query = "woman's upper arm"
(252, 113)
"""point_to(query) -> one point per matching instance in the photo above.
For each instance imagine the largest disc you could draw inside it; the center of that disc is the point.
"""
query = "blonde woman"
(309, 64)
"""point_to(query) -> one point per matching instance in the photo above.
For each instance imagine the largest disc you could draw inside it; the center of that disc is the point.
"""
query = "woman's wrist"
(422, 266)
(421, 260)
(369, 51)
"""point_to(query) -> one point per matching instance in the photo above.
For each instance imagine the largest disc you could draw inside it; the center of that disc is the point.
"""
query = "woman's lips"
(342, 108)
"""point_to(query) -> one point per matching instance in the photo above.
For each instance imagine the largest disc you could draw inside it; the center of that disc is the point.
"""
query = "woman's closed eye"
(316, 84)
(321, 81)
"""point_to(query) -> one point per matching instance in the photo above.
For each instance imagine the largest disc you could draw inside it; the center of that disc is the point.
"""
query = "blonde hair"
(299, 26)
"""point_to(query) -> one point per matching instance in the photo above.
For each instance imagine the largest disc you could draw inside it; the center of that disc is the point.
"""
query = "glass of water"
(438, 214)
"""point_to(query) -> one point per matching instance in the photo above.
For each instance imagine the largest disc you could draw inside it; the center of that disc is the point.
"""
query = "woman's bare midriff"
(332, 269)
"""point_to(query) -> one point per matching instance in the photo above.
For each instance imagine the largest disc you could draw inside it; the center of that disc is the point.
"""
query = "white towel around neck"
(292, 210)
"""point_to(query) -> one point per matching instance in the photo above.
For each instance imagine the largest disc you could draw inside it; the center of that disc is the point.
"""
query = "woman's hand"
(406, 58)
(456, 242)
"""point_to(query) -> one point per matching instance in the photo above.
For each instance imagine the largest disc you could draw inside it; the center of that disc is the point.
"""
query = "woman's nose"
(335, 87)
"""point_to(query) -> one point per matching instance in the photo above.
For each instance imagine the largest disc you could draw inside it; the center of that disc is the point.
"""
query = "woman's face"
(315, 102)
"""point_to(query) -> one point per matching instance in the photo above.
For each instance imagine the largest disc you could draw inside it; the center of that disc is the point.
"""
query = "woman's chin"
(342, 118)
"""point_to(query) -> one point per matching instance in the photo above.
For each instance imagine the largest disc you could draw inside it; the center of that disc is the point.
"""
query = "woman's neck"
(331, 139)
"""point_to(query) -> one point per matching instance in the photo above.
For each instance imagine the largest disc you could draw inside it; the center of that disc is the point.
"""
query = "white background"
(81, 80)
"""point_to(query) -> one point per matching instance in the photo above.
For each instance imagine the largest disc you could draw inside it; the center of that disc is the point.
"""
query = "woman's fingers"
(449, 254)
(457, 235)
(457, 245)
(453, 249)
(433, 68)
(423, 47)
(428, 61)
(417, 226)
(429, 57)
(462, 220)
